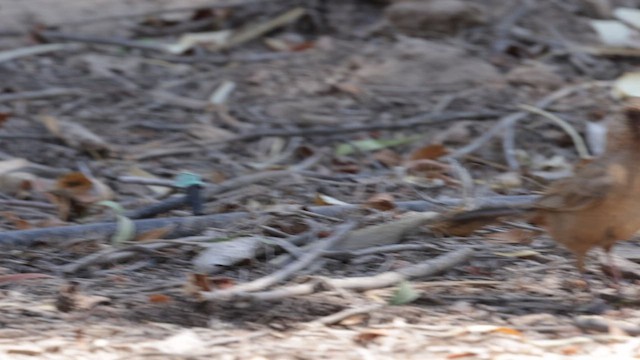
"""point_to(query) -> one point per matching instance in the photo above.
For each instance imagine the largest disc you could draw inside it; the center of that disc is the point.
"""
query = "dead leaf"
(322, 200)
(70, 299)
(209, 133)
(76, 136)
(198, 283)
(462, 355)
(386, 233)
(17, 278)
(506, 181)
(426, 166)
(154, 234)
(158, 190)
(513, 236)
(388, 157)
(74, 192)
(18, 222)
(17, 183)
(4, 116)
(159, 299)
(365, 337)
(382, 202)
(82, 188)
(228, 252)
(353, 320)
(519, 254)
(349, 88)
(508, 331)
(7, 166)
(429, 152)
(221, 282)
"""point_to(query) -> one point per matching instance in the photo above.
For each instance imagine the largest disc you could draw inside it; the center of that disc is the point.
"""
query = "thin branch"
(579, 143)
(39, 94)
(511, 119)
(428, 119)
(191, 225)
(288, 271)
(386, 279)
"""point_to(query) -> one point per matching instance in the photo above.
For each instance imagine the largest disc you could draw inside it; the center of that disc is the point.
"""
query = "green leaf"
(404, 294)
(117, 208)
(125, 227)
(186, 179)
(372, 145)
(125, 230)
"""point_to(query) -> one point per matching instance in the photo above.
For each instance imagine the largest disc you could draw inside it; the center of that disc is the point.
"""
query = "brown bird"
(600, 204)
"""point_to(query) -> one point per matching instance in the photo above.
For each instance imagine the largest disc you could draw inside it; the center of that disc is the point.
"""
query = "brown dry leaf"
(429, 152)
(159, 298)
(513, 236)
(382, 202)
(570, 350)
(221, 282)
(426, 166)
(508, 331)
(18, 223)
(459, 228)
(4, 116)
(198, 283)
(367, 336)
(357, 319)
(82, 189)
(462, 355)
(70, 299)
(217, 176)
(349, 88)
(76, 136)
(74, 192)
(388, 157)
(154, 234)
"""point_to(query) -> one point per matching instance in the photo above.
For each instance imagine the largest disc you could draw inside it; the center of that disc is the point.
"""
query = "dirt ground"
(360, 108)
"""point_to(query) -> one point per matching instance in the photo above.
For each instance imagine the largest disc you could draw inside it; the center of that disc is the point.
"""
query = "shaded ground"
(341, 65)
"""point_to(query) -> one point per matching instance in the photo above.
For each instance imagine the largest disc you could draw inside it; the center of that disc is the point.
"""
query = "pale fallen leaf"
(613, 32)
(630, 16)
(386, 233)
(184, 343)
(13, 165)
(158, 190)
(519, 254)
(322, 200)
(627, 85)
(227, 253)
(404, 294)
(222, 93)
(17, 183)
(212, 39)
(76, 135)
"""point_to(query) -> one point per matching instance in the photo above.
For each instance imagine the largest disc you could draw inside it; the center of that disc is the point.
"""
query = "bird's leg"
(616, 276)
(580, 266)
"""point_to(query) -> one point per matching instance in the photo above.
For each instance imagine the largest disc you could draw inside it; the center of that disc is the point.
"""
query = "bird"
(598, 205)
